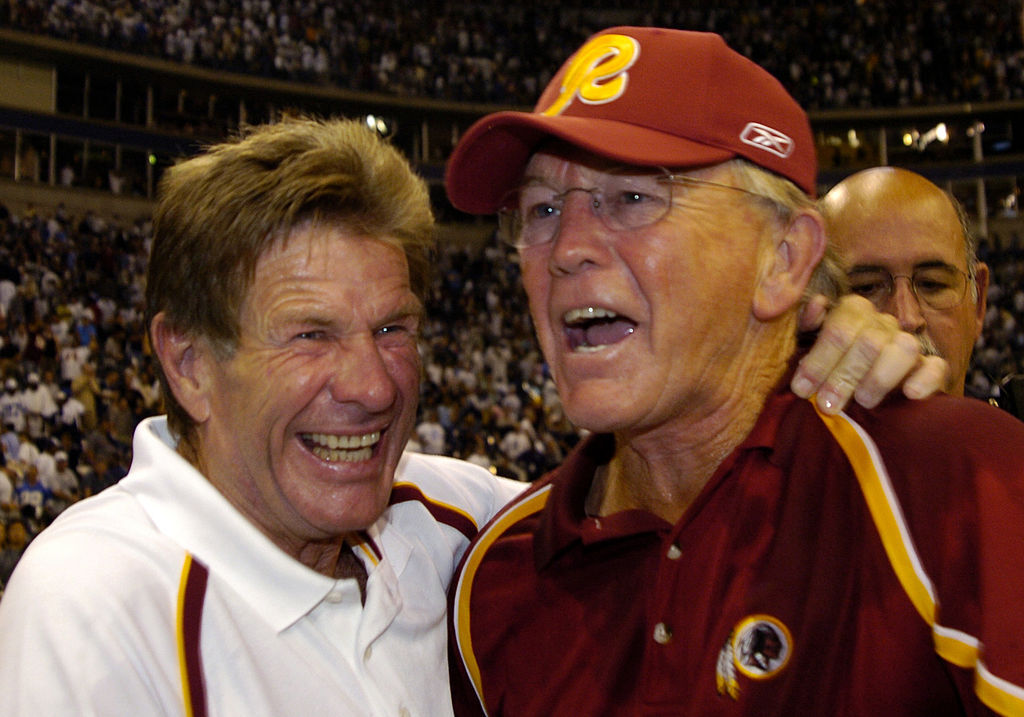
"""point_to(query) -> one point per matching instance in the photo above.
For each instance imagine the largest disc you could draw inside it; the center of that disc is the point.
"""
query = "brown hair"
(218, 213)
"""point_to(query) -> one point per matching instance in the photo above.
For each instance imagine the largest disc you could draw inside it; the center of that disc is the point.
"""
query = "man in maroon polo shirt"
(717, 545)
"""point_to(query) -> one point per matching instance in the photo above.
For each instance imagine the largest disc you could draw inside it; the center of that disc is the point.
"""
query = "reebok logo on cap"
(768, 139)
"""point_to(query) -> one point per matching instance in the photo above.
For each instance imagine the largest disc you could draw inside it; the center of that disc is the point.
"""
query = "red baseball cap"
(643, 96)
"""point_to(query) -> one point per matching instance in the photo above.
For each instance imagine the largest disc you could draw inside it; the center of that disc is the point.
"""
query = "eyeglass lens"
(532, 214)
(940, 287)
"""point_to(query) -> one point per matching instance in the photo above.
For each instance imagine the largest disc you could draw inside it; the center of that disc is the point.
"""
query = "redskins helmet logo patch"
(759, 647)
(597, 74)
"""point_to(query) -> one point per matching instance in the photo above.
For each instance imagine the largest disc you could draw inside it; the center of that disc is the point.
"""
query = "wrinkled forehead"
(556, 161)
(555, 157)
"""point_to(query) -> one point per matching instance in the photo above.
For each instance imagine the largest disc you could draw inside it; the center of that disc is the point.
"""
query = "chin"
(352, 517)
(604, 417)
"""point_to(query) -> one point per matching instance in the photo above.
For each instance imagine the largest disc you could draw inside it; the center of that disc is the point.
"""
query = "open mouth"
(593, 328)
(341, 449)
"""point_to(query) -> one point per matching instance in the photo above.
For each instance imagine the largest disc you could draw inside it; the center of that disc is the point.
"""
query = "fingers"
(851, 340)
(813, 313)
(861, 353)
(930, 377)
(896, 360)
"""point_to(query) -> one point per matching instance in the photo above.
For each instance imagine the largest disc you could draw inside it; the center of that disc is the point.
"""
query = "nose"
(904, 305)
(362, 376)
(582, 238)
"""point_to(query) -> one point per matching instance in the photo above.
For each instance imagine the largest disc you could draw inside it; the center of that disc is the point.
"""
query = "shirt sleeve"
(105, 646)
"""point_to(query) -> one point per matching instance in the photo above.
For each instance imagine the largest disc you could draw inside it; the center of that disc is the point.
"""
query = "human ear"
(182, 358)
(981, 278)
(795, 254)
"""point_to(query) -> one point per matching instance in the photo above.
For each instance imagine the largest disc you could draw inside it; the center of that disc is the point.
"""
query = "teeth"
(347, 449)
(330, 440)
(325, 454)
(574, 316)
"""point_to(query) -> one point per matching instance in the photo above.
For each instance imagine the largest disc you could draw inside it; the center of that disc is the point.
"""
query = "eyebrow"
(613, 169)
(411, 307)
(415, 309)
(931, 264)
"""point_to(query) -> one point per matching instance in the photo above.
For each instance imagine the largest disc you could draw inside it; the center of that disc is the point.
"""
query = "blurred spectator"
(28, 452)
(7, 504)
(122, 418)
(431, 434)
(14, 538)
(73, 356)
(102, 473)
(85, 328)
(72, 411)
(63, 485)
(31, 496)
(515, 442)
(9, 442)
(46, 463)
(67, 175)
(40, 407)
(12, 405)
(86, 390)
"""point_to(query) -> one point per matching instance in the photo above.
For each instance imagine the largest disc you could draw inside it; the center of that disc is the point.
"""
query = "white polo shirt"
(100, 616)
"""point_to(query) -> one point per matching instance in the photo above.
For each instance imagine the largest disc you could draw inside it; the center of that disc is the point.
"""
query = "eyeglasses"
(531, 215)
(939, 287)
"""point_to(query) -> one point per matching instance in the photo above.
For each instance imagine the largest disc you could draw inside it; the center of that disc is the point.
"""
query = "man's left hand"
(861, 352)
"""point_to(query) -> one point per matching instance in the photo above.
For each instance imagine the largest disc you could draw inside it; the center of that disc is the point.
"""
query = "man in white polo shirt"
(273, 550)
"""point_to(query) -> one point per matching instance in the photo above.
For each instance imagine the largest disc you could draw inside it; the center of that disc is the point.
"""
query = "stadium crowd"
(859, 53)
(77, 374)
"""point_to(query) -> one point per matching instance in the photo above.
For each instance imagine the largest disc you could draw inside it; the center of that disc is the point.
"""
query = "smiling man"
(717, 545)
(272, 551)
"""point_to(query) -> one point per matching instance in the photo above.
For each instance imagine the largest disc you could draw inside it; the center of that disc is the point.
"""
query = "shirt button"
(662, 634)
(403, 711)
(334, 596)
(368, 653)
(674, 553)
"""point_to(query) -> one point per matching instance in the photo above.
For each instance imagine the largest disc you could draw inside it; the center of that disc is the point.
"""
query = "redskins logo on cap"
(759, 647)
(597, 73)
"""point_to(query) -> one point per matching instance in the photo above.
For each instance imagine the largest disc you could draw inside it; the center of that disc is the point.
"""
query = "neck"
(317, 552)
(664, 470)
(323, 557)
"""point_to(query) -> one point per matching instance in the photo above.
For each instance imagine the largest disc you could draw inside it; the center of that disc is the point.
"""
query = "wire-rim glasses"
(939, 286)
(530, 215)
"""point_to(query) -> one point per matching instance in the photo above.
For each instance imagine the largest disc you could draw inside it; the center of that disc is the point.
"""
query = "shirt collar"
(186, 507)
(564, 522)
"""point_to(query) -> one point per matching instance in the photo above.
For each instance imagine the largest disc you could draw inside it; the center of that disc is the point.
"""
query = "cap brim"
(490, 158)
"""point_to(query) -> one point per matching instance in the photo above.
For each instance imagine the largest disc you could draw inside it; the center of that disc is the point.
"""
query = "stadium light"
(380, 125)
(938, 133)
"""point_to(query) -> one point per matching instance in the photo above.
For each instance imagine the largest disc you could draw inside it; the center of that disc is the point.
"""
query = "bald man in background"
(907, 248)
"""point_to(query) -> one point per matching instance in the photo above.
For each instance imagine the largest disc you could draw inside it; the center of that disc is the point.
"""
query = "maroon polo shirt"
(866, 565)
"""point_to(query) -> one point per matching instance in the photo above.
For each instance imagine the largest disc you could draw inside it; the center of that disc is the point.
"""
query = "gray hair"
(970, 242)
(828, 278)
